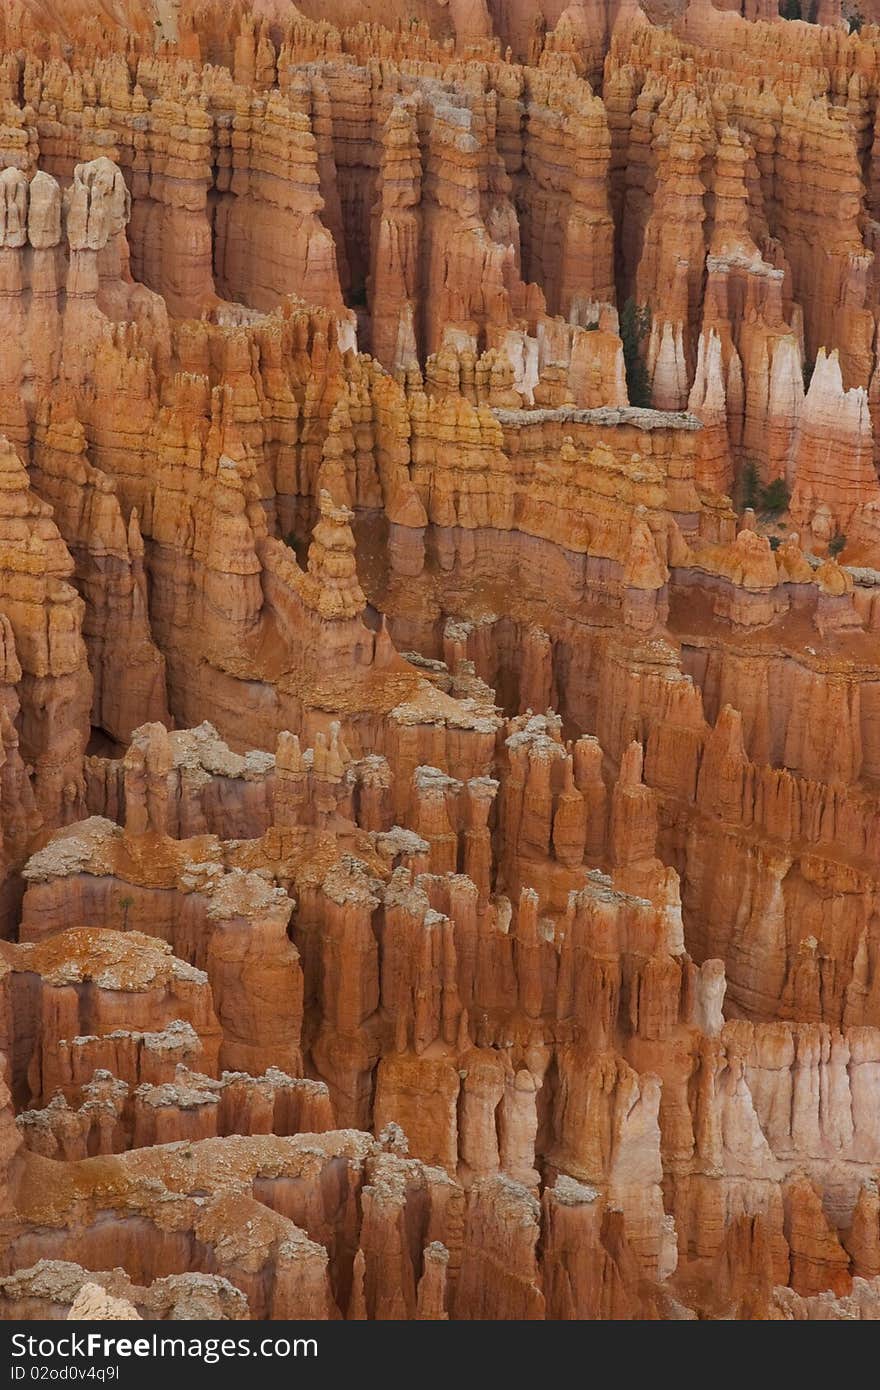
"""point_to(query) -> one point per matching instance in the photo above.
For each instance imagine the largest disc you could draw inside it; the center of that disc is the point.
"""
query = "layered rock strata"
(439, 662)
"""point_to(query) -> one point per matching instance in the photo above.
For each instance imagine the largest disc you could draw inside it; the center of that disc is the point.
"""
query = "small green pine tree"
(635, 324)
(836, 544)
(774, 497)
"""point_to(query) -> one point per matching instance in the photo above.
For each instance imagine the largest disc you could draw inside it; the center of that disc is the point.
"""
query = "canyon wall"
(439, 662)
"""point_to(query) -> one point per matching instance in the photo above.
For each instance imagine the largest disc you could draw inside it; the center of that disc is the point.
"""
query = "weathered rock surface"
(439, 697)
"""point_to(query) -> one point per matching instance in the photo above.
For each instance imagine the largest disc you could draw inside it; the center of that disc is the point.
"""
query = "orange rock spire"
(439, 699)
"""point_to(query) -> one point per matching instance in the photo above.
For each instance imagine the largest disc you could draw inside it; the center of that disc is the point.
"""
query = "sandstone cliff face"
(46, 657)
(438, 772)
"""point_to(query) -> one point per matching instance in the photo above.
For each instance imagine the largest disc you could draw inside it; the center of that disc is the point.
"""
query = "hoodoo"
(439, 660)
